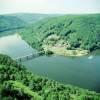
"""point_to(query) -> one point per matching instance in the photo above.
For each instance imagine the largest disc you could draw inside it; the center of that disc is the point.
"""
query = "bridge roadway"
(29, 56)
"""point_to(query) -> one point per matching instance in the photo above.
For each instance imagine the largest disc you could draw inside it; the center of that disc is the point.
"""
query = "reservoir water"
(82, 71)
(14, 46)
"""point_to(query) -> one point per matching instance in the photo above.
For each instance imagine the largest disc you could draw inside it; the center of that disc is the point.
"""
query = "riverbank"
(64, 52)
(21, 83)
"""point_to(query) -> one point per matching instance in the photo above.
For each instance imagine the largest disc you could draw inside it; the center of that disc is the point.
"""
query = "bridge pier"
(27, 57)
(20, 59)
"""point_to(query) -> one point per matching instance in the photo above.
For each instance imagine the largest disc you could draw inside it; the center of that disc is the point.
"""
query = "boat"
(90, 57)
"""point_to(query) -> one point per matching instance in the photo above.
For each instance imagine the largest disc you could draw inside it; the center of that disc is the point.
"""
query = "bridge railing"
(30, 56)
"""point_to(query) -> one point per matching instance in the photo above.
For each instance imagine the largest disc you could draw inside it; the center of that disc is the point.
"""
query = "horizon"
(50, 6)
(49, 13)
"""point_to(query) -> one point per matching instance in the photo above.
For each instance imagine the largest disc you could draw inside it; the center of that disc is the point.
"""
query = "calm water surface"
(14, 46)
(79, 71)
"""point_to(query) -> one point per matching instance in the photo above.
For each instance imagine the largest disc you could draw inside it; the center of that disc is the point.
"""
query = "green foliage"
(80, 31)
(17, 91)
(12, 23)
(31, 18)
(8, 23)
(17, 83)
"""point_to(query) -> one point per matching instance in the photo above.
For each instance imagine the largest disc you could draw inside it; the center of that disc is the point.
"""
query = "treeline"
(17, 83)
(80, 31)
(10, 23)
(14, 22)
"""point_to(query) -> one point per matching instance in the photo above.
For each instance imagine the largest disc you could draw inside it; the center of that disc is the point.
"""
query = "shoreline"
(64, 52)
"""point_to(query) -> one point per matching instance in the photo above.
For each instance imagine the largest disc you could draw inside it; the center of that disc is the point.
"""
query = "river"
(82, 71)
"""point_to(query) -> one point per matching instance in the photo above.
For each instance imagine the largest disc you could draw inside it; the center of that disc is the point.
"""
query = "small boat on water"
(90, 57)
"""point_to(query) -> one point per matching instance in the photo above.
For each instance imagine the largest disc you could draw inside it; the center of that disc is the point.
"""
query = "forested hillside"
(31, 18)
(73, 32)
(12, 23)
(8, 23)
(17, 83)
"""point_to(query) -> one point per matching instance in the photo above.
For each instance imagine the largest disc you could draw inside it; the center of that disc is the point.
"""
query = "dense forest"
(71, 32)
(13, 23)
(10, 23)
(76, 31)
(17, 83)
(31, 18)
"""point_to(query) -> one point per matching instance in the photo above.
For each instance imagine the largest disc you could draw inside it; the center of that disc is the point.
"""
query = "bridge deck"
(29, 56)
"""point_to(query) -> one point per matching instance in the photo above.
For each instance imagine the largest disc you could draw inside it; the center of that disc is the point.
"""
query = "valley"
(70, 67)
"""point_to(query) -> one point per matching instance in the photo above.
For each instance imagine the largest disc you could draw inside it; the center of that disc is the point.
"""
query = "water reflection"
(14, 46)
